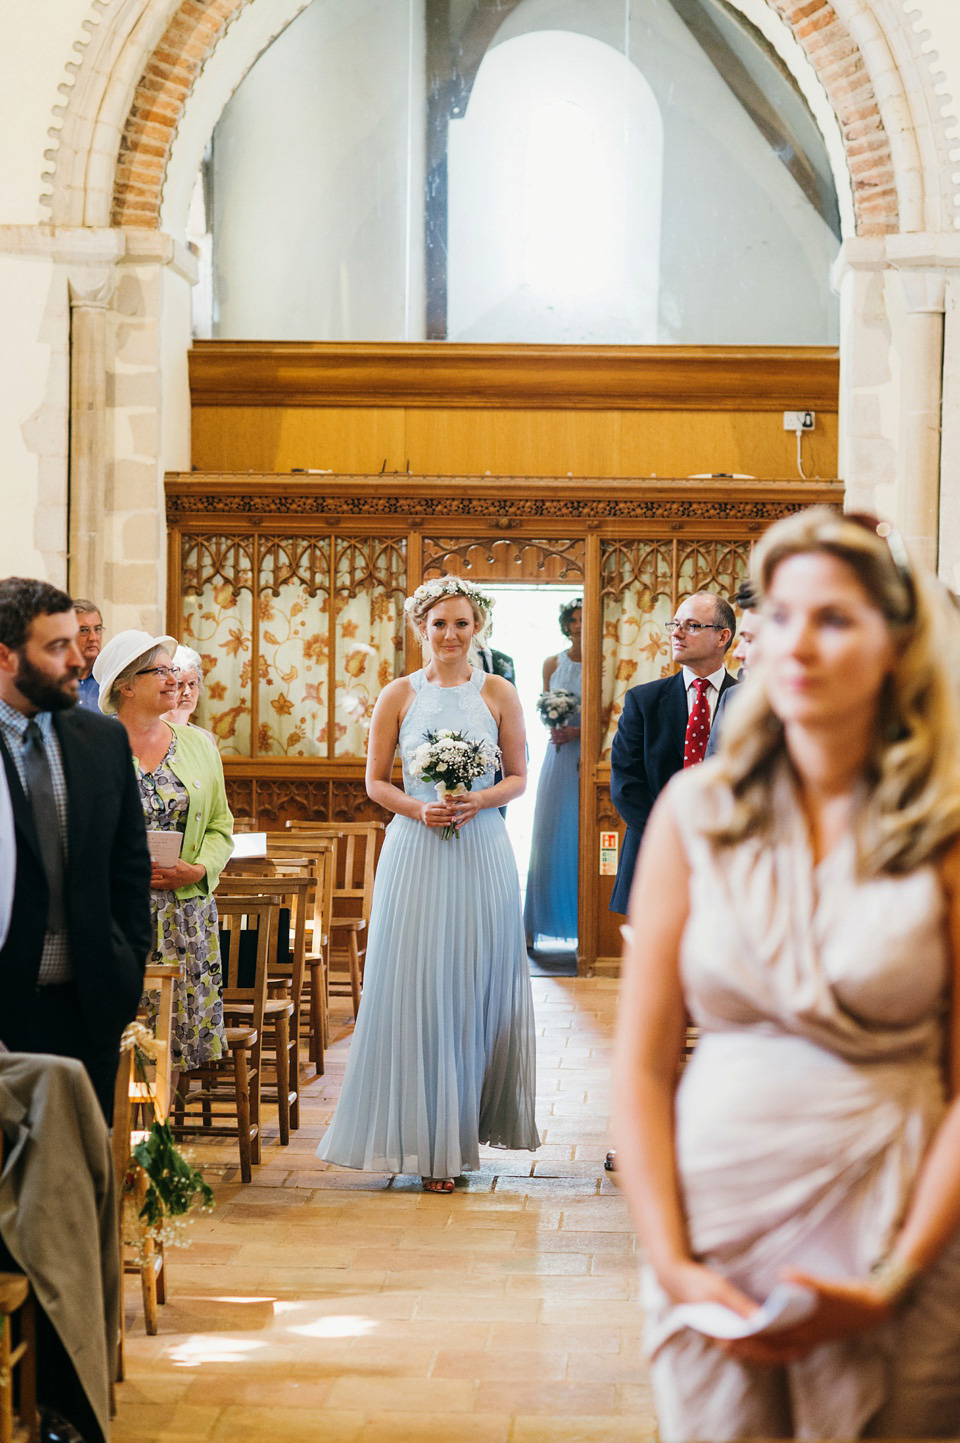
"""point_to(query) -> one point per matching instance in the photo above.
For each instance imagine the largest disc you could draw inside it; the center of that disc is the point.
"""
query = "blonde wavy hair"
(910, 805)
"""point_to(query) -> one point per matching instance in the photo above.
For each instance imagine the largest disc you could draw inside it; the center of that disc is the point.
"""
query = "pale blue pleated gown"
(444, 1052)
(550, 909)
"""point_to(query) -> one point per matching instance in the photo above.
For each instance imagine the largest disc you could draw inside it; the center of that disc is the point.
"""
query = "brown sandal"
(438, 1184)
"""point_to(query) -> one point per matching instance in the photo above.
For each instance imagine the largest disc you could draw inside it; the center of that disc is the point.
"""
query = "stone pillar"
(924, 264)
(867, 419)
(893, 293)
(91, 295)
(921, 395)
(149, 398)
(949, 558)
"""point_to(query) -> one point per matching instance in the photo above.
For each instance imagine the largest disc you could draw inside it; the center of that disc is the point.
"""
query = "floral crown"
(443, 586)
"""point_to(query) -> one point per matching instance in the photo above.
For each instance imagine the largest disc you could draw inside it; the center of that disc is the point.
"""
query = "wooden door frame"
(521, 515)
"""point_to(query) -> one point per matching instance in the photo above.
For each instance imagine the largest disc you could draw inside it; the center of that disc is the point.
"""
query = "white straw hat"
(120, 652)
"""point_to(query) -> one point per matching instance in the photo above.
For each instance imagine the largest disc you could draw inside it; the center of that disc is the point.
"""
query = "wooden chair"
(322, 849)
(159, 977)
(149, 1264)
(290, 888)
(352, 896)
(215, 1098)
(16, 1301)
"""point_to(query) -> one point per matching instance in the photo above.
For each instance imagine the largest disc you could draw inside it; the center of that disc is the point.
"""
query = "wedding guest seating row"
(293, 922)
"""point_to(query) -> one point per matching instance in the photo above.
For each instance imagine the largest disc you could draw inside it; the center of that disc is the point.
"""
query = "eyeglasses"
(161, 671)
(694, 626)
(153, 798)
(90, 631)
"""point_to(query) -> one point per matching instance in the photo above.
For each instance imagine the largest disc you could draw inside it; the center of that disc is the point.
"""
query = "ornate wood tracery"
(281, 575)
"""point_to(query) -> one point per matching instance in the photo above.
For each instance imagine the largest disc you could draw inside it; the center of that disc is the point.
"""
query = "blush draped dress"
(443, 1057)
(802, 1120)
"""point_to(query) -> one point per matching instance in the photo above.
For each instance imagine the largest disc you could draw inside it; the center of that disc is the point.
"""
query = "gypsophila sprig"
(454, 762)
(161, 1178)
(556, 706)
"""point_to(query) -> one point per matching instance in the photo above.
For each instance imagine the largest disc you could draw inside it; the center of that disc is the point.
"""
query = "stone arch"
(196, 27)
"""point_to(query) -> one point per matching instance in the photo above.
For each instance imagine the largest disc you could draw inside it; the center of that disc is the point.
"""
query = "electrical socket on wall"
(798, 420)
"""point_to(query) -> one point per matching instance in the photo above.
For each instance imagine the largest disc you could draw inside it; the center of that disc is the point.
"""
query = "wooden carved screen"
(292, 589)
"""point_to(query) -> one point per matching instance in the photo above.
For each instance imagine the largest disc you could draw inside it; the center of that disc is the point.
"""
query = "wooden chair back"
(293, 887)
(283, 849)
(257, 913)
(356, 860)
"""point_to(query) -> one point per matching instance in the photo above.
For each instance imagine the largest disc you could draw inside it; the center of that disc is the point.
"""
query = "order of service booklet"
(164, 847)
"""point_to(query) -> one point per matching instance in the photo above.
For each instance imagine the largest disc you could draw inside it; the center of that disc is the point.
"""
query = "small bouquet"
(454, 762)
(556, 706)
(161, 1188)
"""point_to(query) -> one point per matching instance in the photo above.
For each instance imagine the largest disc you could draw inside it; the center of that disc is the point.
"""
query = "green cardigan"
(208, 837)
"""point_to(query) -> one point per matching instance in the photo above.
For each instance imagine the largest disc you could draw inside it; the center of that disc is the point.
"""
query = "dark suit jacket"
(107, 881)
(647, 750)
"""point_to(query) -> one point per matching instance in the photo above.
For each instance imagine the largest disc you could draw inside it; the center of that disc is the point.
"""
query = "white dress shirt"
(8, 856)
(714, 683)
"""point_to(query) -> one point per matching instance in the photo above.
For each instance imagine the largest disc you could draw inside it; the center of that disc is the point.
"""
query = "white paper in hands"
(787, 1304)
(164, 847)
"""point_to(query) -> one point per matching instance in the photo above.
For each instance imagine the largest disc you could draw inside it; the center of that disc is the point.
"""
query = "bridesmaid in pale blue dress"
(553, 876)
(443, 1057)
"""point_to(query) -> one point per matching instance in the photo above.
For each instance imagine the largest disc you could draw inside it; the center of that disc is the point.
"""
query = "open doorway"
(526, 627)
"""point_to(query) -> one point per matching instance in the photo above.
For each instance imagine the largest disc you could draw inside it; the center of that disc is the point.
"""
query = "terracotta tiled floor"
(325, 1305)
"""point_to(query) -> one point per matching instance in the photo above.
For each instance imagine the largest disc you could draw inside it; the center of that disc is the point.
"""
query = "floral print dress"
(186, 933)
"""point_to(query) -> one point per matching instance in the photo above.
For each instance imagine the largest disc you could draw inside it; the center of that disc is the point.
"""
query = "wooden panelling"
(514, 443)
(278, 438)
(296, 373)
(751, 443)
(510, 442)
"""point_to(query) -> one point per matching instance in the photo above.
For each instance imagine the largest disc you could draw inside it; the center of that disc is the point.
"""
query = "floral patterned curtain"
(369, 589)
(218, 623)
(637, 597)
(293, 632)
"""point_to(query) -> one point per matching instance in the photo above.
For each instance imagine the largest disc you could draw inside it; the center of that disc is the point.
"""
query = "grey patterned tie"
(46, 821)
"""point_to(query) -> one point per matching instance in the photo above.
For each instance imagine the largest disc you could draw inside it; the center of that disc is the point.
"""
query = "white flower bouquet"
(556, 706)
(453, 762)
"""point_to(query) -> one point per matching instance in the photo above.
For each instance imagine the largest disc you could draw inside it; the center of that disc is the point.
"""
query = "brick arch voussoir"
(198, 25)
(840, 67)
(193, 33)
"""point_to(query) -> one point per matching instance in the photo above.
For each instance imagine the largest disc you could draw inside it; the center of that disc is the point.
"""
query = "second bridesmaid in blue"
(553, 878)
(444, 1056)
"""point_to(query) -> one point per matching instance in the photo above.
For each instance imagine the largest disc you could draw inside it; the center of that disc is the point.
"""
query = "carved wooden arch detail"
(197, 26)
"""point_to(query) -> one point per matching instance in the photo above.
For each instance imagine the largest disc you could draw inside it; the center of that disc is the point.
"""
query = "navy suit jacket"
(107, 883)
(647, 750)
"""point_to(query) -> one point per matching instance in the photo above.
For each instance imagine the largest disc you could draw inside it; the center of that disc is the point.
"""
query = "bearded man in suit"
(665, 725)
(71, 969)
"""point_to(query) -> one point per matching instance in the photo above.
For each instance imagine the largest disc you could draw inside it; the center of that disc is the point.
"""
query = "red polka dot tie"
(698, 725)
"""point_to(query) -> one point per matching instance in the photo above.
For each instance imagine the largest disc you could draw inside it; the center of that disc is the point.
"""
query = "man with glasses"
(89, 640)
(665, 725)
(71, 970)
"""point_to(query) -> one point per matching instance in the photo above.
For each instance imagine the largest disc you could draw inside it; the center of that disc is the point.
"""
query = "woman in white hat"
(182, 790)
